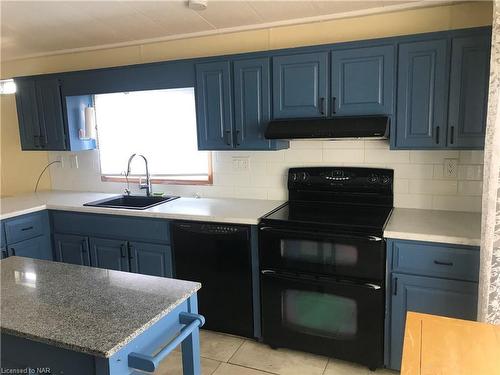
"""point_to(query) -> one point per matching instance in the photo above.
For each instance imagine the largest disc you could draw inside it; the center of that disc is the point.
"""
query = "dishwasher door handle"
(150, 363)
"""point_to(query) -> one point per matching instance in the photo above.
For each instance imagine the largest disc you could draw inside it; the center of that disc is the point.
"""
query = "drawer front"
(439, 260)
(111, 226)
(23, 228)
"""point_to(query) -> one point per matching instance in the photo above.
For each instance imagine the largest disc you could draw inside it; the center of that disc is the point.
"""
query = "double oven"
(323, 267)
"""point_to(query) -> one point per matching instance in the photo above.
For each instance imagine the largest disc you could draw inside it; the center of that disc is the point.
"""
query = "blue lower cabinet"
(451, 298)
(73, 249)
(109, 254)
(38, 248)
(150, 259)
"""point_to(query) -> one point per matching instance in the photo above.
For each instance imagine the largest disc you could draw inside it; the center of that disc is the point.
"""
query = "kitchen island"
(83, 320)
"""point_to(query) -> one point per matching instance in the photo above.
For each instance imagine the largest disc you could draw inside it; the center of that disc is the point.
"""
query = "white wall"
(419, 178)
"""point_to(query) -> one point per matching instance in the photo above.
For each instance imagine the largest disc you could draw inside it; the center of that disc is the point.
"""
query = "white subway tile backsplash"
(441, 187)
(471, 157)
(470, 188)
(457, 203)
(432, 157)
(343, 155)
(419, 180)
(386, 156)
(470, 172)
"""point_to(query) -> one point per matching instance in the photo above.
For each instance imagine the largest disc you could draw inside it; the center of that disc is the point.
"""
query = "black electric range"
(322, 261)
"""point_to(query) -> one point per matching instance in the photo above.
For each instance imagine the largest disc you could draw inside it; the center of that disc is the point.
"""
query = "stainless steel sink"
(133, 202)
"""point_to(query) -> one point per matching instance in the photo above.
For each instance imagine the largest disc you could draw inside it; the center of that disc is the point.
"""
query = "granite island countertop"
(84, 309)
(453, 227)
(224, 210)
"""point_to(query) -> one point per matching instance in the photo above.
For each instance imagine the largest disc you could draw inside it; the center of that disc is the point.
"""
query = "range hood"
(373, 127)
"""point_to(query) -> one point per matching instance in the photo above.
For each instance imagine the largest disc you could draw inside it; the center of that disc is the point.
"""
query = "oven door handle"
(272, 273)
(322, 234)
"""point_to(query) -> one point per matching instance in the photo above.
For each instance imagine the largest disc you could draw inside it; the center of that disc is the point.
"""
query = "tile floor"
(231, 355)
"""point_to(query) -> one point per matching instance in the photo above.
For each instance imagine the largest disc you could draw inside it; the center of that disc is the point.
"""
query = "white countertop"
(225, 210)
(460, 228)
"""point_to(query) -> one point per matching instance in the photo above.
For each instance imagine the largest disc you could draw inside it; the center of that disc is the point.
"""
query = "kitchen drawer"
(111, 226)
(24, 227)
(434, 259)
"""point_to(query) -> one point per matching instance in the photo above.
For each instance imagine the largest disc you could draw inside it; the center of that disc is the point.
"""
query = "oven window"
(319, 314)
(328, 253)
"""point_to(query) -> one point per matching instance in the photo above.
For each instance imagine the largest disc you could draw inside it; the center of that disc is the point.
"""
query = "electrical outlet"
(240, 164)
(450, 168)
(73, 161)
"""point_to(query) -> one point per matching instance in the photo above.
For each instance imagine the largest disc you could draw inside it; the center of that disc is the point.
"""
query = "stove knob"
(386, 180)
(294, 177)
(373, 179)
(304, 176)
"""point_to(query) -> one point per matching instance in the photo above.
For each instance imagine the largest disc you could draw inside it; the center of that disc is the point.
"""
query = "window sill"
(159, 181)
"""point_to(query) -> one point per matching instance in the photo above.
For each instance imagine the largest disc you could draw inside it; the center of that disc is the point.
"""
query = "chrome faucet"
(147, 185)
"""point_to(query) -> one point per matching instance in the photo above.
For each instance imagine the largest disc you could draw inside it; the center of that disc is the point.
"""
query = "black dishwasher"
(219, 257)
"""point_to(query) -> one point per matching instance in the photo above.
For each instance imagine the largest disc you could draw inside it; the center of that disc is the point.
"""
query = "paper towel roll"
(89, 122)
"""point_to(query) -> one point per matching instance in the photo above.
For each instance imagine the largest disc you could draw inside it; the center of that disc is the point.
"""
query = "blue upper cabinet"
(300, 85)
(363, 81)
(469, 80)
(252, 105)
(213, 106)
(422, 94)
(43, 121)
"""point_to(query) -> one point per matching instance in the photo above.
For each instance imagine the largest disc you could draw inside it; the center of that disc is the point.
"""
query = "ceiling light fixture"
(197, 4)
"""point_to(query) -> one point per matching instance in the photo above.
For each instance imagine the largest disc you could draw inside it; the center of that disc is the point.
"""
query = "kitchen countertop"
(225, 210)
(84, 309)
(460, 228)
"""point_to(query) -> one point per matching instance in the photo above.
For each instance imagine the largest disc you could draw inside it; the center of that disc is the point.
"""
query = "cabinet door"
(213, 101)
(468, 91)
(27, 113)
(38, 248)
(363, 81)
(252, 106)
(151, 259)
(50, 114)
(451, 298)
(422, 94)
(72, 249)
(300, 85)
(109, 254)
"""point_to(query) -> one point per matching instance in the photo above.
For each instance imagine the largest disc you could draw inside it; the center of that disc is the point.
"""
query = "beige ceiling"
(31, 28)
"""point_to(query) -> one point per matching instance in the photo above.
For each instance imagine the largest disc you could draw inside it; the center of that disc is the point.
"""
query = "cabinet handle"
(227, 135)
(84, 246)
(437, 135)
(452, 134)
(395, 287)
(322, 106)
(13, 251)
(27, 228)
(123, 251)
(43, 141)
(237, 137)
(131, 251)
(439, 263)
(334, 105)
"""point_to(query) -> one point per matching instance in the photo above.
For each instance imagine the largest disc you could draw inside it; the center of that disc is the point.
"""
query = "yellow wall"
(14, 162)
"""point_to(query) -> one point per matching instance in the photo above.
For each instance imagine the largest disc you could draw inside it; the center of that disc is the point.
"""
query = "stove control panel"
(321, 177)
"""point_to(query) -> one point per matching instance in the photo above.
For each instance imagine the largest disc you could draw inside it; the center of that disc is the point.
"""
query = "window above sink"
(159, 124)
